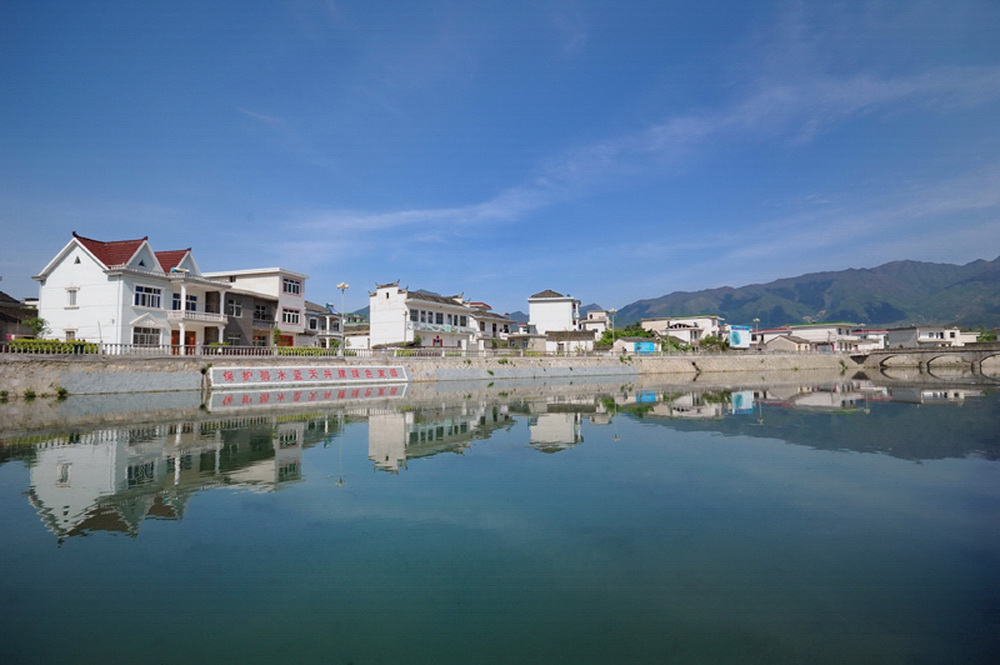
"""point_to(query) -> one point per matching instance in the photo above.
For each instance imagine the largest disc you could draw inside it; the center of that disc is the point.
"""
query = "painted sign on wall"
(739, 337)
(278, 377)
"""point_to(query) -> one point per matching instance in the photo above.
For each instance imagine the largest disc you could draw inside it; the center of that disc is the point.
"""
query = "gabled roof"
(113, 253)
(790, 338)
(548, 293)
(171, 259)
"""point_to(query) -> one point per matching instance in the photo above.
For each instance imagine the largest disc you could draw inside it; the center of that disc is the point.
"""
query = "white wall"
(551, 314)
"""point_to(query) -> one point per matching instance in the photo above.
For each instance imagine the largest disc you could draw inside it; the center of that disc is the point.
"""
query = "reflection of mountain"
(114, 479)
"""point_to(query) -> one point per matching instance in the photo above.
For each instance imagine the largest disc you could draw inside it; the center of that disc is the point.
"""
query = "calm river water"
(838, 523)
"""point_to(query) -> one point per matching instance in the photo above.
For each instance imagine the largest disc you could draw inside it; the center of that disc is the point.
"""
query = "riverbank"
(41, 376)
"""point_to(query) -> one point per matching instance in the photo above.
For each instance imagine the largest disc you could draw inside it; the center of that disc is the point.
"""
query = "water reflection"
(113, 479)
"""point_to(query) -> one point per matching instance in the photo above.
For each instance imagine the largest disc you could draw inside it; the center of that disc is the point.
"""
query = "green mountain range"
(895, 294)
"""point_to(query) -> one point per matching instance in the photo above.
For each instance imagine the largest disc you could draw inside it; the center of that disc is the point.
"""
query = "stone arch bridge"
(971, 356)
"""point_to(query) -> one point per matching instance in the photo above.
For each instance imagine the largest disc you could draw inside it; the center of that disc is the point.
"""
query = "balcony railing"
(263, 323)
(440, 327)
(176, 315)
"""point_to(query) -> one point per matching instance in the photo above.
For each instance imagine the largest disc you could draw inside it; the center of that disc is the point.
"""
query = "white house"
(686, 329)
(398, 317)
(916, 336)
(123, 292)
(493, 328)
(598, 321)
(548, 311)
(287, 287)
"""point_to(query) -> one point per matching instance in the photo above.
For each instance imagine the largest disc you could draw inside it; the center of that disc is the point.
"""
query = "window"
(70, 335)
(234, 340)
(175, 303)
(191, 304)
(292, 286)
(145, 336)
(313, 323)
(463, 321)
(71, 297)
(440, 317)
(414, 315)
(147, 296)
(234, 307)
(261, 313)
(140, 474)
(289, 315)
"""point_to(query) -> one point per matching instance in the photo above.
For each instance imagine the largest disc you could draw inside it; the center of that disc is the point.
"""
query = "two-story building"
(401, 317)
(251, 318)
(284, 290)
(122, 292)
(493, 329)
(598, 321)
(549, 310)
(688, 330)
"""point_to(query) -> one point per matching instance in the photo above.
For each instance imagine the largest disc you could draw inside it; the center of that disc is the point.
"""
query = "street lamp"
(343, 286)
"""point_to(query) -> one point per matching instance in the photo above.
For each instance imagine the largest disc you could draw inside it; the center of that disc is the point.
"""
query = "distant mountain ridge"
(894, 294)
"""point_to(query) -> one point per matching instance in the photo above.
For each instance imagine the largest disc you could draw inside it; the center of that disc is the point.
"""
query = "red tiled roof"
(111, 253)
(171, 258)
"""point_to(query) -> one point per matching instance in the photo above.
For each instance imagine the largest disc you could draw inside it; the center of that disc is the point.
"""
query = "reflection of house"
(113, 479)
(686, 329)
(286, 287)
(916, 336)
(395, 437)
(940, 395)
(692, 405)
(556, 429)
(123, 292)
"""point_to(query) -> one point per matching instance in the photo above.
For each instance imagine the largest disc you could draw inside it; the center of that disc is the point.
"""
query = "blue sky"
(611, 150)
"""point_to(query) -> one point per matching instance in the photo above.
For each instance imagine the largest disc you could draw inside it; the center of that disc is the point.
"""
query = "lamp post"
(343, 286)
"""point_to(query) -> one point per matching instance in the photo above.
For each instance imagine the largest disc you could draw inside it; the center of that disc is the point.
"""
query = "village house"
(285, 289)
(400, 317)
(916, 336)
(549, 310)
(122, 292)
(12, 314)
(251, 318)
(322, 325)
(689, 330)
(598, 321)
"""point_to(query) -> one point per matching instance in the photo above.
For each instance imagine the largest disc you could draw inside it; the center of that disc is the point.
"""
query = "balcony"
(440, 327)
(183, 315)
(265, 324)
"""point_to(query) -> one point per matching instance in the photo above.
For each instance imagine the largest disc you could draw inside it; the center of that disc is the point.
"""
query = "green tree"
(713, 343)
(39, 326)
(986, 336)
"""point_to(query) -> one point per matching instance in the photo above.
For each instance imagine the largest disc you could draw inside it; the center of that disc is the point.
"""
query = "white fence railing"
(91, 349)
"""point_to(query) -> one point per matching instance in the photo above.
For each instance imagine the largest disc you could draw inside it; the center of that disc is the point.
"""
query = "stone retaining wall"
(90, 376)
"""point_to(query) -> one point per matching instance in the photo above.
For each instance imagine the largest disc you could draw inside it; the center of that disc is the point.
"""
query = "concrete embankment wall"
(95, 376)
